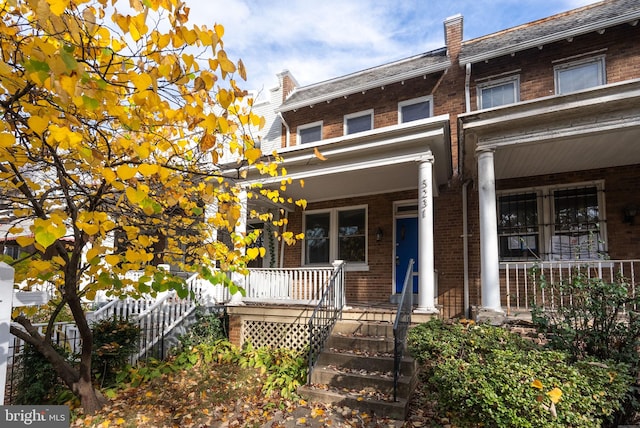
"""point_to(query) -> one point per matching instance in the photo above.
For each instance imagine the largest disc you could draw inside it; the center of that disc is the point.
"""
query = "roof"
(595, 17)
(398, 71)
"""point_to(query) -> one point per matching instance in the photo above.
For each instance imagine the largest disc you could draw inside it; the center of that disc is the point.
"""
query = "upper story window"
(415, 109)
(552, 223)
(578, 75)
(358, 122)
(499, 92)
(309, 133)
(338, 234)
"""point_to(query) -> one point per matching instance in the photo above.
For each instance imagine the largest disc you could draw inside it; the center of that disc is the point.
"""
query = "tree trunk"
(91, 399)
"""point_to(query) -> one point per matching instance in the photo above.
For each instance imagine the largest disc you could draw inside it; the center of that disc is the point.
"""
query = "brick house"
(520, 146)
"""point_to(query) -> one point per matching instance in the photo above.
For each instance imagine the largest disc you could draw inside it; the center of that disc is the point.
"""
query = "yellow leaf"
(108, 175)
(38, 124)
(318, 154)
(47, 231)
(148, 170)
(135, 196)
(58, 6)
(7, 140)
(112, 259)
(142, 81)
(24, 241)
(92, 253)
(555, 394)
(536, 384)
(126, 172)
(253, 252)
(301, 421)
(252, 155)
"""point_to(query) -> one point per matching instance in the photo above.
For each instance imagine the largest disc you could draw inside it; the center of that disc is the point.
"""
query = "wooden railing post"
(6, 302)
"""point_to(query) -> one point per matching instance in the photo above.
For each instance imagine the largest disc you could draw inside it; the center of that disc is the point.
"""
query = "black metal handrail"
(325, 315)
(401, 326)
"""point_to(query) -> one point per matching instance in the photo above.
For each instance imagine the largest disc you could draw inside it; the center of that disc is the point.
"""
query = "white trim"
(334, 238)
(308, 126)
(514, 80)
(362, 113)
(426, 98)
(572, 65)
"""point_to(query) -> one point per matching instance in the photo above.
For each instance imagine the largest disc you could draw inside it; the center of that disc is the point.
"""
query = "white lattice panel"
(275, 334)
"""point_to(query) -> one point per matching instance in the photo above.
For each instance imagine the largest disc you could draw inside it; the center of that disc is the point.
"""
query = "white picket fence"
(158, 316)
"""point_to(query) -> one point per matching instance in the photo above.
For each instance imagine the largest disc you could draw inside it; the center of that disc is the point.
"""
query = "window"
(358, 122)
(310, 133)
(578, 75)
(518, 226)
(499, 92)
(415, 109)
(553, 223)
(339, 234)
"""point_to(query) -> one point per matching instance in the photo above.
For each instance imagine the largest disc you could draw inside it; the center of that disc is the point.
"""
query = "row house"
(474, 160)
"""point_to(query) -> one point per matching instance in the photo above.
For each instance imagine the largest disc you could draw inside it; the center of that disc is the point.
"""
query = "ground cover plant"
(484, 375)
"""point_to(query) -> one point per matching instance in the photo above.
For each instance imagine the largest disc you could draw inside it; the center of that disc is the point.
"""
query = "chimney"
(453, 35)
(287, 82)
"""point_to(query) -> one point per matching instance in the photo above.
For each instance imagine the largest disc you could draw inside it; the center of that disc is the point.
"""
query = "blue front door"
(406, 248)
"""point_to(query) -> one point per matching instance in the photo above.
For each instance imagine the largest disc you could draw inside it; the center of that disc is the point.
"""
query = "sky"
(321, 40)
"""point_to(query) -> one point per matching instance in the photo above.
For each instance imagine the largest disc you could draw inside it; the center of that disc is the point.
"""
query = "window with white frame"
(310, 133)
(577, 75)
(358, 122)
(415, 109)
(337, 234)
(499, 92)
(552, 223)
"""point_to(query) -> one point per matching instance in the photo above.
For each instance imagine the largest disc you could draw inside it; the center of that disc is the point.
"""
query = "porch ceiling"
(378, 161)
(597, 128)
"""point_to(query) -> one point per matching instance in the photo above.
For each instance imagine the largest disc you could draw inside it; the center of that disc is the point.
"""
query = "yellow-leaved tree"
(114, 126)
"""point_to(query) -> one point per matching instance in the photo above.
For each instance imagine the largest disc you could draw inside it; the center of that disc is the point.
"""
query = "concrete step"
(372, 403)
(356, 367)
(364, 344)
(357, 328)
(382, 382)
(373, 363)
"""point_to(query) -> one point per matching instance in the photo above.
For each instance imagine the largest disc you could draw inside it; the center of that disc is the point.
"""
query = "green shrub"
(114, 342)
(487, 376)
(595, 322)
(208, 329)
(38, 382)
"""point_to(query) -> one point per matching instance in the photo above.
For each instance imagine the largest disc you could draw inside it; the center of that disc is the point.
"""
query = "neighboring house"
(518, 146)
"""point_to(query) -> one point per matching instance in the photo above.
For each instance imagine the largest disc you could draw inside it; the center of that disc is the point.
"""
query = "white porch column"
(240, 228)
(426, 272)
(489, 261)
(6, 303)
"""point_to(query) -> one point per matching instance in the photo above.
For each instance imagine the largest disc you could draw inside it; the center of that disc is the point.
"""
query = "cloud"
(319, 40)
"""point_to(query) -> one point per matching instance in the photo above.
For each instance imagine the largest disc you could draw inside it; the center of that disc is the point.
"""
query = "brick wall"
(535, 66)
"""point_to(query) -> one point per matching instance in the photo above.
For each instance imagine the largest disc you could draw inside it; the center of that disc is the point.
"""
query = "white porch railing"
(296, 285)
(521, 281)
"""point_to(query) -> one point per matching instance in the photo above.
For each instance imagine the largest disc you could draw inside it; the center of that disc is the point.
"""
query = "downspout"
(282, 243)
(465, 211)
(467, 91)
(465, 248)
(286, 126)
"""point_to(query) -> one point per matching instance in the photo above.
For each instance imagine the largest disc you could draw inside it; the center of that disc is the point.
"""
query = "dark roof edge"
(594, 26)
(369, 84)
